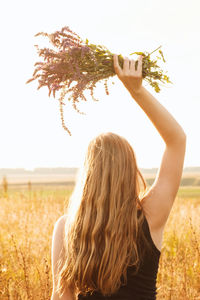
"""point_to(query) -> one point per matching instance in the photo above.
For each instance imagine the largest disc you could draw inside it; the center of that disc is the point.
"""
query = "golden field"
(27, 218)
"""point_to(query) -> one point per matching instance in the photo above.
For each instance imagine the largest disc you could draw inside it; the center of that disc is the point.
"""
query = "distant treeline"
(185, 181)
(190, 178)
(72, 171)
(21, 171)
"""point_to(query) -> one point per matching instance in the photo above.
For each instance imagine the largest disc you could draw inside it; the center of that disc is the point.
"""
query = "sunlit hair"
(103, 234)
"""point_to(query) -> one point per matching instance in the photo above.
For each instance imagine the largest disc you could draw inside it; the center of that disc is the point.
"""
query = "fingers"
(136, 70)
(117, 67)
(139, 67)
(128, 66)
(132, 65)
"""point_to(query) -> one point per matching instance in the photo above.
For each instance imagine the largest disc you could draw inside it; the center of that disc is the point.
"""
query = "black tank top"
(141, 286)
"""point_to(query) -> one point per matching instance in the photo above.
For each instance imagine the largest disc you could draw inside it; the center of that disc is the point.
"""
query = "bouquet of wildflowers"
(74, 66)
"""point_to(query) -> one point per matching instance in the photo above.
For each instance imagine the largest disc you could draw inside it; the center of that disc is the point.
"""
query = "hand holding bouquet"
(76, 65)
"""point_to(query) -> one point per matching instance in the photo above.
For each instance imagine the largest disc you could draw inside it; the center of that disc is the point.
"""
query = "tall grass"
(27, 219)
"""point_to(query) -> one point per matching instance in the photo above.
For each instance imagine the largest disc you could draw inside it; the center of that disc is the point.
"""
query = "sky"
(30, 126)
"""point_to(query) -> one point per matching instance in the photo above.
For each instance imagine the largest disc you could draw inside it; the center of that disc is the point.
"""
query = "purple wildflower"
(83, 64)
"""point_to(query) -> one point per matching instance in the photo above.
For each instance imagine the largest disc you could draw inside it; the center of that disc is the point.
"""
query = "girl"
(108, 244)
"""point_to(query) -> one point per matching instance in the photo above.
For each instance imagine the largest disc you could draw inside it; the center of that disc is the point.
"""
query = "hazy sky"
(30, 125)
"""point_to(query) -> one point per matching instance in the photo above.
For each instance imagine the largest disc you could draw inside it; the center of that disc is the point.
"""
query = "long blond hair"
(103, 231)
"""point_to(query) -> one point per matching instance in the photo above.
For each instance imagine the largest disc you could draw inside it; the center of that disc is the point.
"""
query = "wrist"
(136, 93)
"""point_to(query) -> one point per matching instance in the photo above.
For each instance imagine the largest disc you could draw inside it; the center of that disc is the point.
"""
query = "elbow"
(184, 137)
(181, 135)
(181, 140)
(177, 140)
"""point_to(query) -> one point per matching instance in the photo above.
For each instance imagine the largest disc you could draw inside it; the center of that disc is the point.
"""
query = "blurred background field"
(27, 216)
(62, 177)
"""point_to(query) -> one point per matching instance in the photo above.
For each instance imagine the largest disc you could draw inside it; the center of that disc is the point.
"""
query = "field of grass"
(27, 219)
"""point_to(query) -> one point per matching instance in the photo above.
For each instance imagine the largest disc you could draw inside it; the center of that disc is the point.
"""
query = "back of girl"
(109, 242)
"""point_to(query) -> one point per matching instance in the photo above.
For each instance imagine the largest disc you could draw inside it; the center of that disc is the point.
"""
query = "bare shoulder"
(58, 258)
(60, 223)
(57, 239)
(58, 231)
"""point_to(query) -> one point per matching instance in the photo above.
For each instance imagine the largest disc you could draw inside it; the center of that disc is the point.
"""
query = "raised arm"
(158, 202)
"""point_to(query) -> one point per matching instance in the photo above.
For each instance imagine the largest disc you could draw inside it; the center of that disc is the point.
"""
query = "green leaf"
(139, 53)
(93, 47)
(161, 53)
